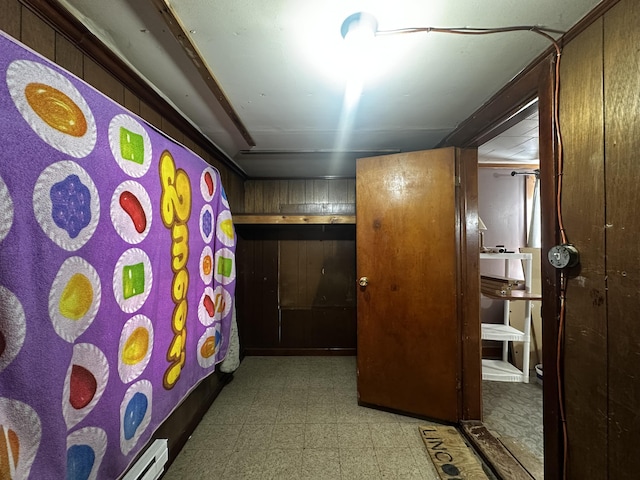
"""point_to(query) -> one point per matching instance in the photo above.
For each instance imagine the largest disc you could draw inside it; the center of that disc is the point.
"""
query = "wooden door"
(417, 245)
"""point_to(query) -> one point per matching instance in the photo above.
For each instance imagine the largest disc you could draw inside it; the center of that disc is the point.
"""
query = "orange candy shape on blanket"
(9, 451)
(56, 109)
(208, 347)
(76, 298)
(207, 264)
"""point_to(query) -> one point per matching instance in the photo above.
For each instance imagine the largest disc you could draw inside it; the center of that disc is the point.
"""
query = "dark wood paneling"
(258, 322)
(296, 192)
(69, 57)
(553, 444)
(171, 130)
(622, 144)
(150, 115)
(295, 328)
(319, 328)
(585, 346)
(37, 34)
(131, 101)
(97, 76)
(469, 286)
(271, 196)
(316, 274)
(10, 18)
(333, 327)
(300, 196)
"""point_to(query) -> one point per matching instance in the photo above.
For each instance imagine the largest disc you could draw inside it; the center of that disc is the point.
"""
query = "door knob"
(363, 282)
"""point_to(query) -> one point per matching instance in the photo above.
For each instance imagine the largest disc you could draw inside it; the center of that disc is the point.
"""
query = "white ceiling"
(282, 64)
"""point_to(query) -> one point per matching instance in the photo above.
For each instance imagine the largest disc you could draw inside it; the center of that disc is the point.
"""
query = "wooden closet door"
(410, 315)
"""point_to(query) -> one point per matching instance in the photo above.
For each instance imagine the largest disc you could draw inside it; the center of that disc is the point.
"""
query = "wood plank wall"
(297, 283)
(600, 108)
(584, 216)
(300, 196)
(23, 24)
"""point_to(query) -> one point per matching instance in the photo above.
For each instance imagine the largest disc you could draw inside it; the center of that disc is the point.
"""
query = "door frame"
(497, 115)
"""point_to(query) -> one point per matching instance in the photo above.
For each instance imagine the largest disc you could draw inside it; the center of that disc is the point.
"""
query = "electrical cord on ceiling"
(545, 32)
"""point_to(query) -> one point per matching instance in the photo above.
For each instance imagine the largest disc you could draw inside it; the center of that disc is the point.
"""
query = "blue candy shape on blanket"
(80, 460)
(70, 205)
(134, 414)
(207, 223)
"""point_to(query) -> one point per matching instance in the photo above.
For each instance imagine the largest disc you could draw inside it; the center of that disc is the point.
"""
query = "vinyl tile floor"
(298, 418)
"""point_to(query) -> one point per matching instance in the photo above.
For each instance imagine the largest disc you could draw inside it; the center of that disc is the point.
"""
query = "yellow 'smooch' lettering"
(175, 207)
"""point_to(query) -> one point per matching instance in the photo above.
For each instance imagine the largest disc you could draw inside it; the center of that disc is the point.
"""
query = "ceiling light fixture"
(360, 24)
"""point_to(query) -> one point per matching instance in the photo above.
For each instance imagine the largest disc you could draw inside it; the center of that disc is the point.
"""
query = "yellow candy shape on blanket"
(76, 298)
(136, 346)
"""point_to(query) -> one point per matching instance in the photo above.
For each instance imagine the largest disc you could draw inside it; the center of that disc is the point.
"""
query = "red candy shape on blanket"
(209, 181)
(83, 387)
(130, 204)
(3, 343)
(209, 305)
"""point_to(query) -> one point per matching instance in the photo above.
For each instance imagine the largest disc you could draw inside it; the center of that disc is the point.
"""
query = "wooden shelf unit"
(502, 370)
(276, 219)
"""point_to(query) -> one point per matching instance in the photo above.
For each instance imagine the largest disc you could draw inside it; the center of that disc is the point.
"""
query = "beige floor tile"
(321, 436)
(291, 414)
(283, 465)
(321, 413)
(358, 464)
(197, 464)
(267, 397)
(398, 463)
(320, 464)
(214, 437)
(262, 414)
(226, 415)
(350, 414)
(354, 436)
(321, 396)
(412, 434)
(388, 435)
(287, 437)
(256, 436)
(245, 464)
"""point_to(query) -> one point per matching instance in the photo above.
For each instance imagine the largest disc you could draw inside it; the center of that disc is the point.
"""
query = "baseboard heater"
(151, 464)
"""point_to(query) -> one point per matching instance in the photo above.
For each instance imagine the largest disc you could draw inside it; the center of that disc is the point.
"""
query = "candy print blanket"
(117, 274)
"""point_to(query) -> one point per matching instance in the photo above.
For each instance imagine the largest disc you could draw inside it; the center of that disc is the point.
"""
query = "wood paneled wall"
(23, 24)
(600, 108)
(297, 283)
(301, 196)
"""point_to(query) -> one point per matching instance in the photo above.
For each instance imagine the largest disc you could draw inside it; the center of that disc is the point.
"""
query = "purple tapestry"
(117, 274)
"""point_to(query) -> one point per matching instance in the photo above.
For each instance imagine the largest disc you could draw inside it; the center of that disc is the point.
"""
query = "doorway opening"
(510, 269)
